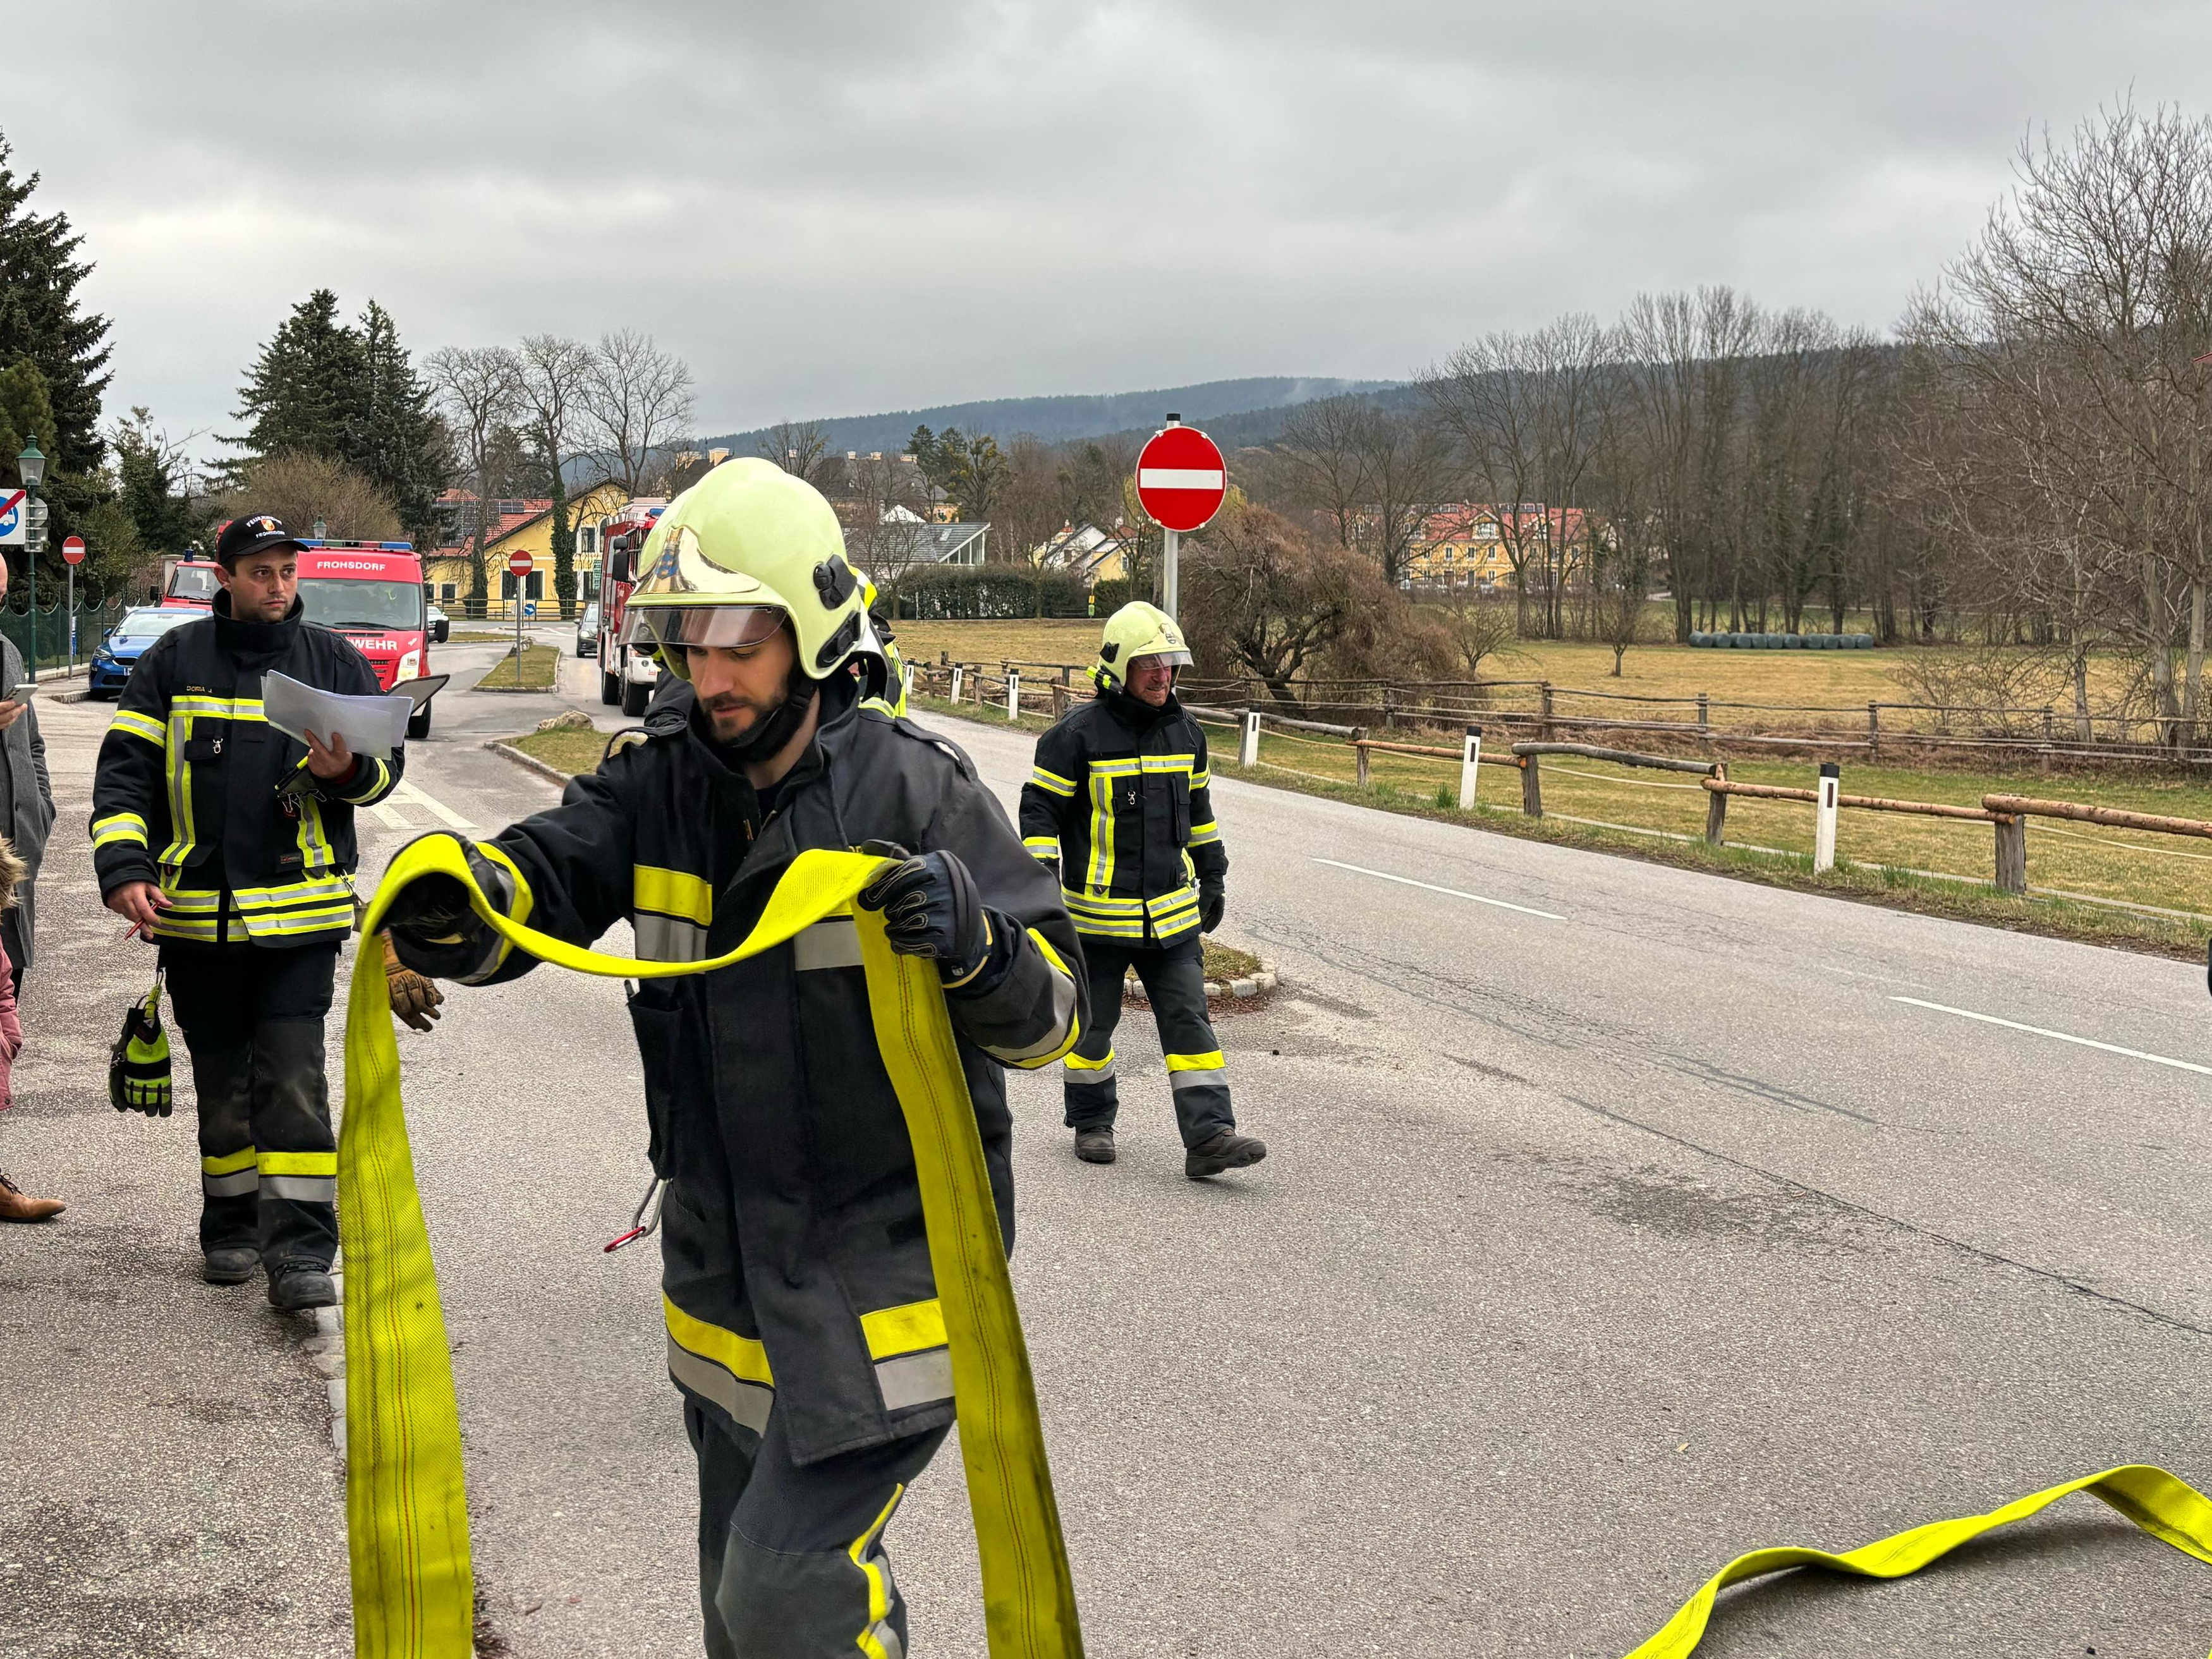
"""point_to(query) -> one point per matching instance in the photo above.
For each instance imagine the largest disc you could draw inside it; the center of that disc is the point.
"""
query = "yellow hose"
(406, 1505)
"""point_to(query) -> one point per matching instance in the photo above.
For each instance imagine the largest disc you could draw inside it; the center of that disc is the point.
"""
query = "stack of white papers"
(373, 726)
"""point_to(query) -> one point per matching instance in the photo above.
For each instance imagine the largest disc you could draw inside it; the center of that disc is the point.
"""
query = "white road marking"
(1408, 881)
(2063, 1036)
(410, 794)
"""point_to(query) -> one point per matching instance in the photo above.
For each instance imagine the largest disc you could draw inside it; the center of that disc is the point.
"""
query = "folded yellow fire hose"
(406, 1507)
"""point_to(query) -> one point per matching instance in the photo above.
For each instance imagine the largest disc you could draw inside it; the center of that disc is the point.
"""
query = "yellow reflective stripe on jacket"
(1170, 763)
(1043, 846)
(221, 709)
(1204, 835)
(376, 772)
(744, 1357)
(1100, 872)
(524, 899)
(406, 1505)
(909, 1329)
(1052, 783)
(1054, 1046)
(2162, 1504)
(676, 893)
(140, 726)
(118, 827)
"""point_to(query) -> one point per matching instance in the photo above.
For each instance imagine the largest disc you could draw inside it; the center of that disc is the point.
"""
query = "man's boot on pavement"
(1095, 1146)
(16, 1205)
(298, 1285)
(1222, 1150)
(232, 1266)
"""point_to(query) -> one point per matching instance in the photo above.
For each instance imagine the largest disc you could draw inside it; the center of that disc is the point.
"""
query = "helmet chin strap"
(777, 729)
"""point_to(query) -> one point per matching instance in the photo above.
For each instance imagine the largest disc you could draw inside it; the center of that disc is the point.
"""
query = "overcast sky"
(839, 207)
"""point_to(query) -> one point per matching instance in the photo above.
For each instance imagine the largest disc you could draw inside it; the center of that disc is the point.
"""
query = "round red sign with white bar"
(1180, 478)
(518, 564)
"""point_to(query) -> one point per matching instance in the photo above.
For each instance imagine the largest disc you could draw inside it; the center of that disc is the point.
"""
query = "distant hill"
(1218, 406)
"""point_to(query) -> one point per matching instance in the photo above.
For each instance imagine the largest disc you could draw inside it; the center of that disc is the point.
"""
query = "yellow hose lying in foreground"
(2162, 1504)
(406, 1504)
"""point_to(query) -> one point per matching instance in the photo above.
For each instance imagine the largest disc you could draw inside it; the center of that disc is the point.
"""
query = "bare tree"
(799, 447)
(481, 387)
(554, 374)
(638, 397)
(1324, 453)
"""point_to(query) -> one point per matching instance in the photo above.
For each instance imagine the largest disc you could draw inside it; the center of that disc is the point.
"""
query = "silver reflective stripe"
(887, 1639)
(1079, 1075)
(746, 1402)
(1063, 1011)
(915, 1379)
(1217, 1078)
(306, 1189)
(668, 939)
(236, 1184)
(832, 942)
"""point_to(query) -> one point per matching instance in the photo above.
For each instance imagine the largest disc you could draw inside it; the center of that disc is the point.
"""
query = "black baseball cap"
(252, 532)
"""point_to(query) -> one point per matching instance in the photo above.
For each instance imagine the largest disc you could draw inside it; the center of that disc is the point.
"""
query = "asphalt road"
(1618, 1220)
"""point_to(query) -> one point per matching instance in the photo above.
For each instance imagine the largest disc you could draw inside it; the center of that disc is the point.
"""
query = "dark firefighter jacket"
(188, 791)
(1118, 797)
(795, 1269)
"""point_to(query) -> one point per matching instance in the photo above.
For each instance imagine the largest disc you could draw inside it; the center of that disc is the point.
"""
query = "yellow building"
(528, 526)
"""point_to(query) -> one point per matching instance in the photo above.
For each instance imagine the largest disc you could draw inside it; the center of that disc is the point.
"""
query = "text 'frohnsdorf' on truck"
(626, 675)
(370, 592)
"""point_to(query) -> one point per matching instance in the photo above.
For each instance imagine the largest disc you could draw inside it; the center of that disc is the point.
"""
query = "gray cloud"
(835, 208)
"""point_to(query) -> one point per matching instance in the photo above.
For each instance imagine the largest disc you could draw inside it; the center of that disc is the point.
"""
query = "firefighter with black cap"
(230, 844)
(803, 1325)
(1118, 803)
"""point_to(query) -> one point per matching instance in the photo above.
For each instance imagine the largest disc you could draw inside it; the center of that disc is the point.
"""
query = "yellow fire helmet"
(743, 551)
(1137, 630)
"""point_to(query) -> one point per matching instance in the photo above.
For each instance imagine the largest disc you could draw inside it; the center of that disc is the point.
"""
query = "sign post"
(1180, 481)
(518, 565)
(1824, 816)
(73, 552)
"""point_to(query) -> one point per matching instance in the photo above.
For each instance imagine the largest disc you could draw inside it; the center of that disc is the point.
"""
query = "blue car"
(119, 647)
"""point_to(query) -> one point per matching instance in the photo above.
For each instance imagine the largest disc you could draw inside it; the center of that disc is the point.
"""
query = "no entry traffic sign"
(1180, 478)
(73, 548)
(518, 564)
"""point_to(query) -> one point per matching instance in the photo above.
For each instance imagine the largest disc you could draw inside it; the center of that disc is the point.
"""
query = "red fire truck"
(370, 592)
(626, 677)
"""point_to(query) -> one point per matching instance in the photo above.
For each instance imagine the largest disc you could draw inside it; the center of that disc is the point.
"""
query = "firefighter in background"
(803, 1330)
(1118, 803)
(231, 845)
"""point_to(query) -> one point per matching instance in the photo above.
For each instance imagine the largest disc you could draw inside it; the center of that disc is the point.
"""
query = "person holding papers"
(230, 844)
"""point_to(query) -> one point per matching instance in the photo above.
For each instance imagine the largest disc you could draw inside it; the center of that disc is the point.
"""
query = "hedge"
(989, 594)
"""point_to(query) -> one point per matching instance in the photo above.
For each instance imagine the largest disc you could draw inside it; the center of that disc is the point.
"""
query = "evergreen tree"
(307, 392)
(152, 486)
(399, 441)
(26, 411)
(40, 322)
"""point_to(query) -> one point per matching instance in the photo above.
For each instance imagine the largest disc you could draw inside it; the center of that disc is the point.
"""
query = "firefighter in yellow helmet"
(803, 1328)
(1118, 804)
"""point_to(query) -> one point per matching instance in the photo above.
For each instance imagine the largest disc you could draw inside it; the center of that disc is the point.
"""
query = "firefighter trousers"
(1174, 978)
(792, 1563)
(252, 1019)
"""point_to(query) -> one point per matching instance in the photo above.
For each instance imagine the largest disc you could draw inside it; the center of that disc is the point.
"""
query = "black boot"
(230, 1267)
(298, 1285)
(1224, 1150)
(1095, 1146)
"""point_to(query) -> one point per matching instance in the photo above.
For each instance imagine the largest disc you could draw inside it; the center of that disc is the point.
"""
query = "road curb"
(530, 762)
(1219, 991)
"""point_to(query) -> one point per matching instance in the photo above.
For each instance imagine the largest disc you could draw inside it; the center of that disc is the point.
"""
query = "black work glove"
(1213, 900)
(428, 911)
(931, 908)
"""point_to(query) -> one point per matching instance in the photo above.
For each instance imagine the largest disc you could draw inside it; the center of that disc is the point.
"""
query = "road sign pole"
(1168, 577)
(72, 623)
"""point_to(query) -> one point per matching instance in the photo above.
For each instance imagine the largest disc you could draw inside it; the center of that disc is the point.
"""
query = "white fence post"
(1248, 748)
(1824, 816)
(1013, 693)
(906, 683)
(1469, 764)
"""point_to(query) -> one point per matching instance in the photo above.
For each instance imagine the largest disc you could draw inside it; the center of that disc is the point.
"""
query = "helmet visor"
(1172, 658)
(715, 626)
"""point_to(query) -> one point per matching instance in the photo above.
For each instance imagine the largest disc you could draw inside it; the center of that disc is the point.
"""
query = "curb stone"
(1236, 990)
(530, 761)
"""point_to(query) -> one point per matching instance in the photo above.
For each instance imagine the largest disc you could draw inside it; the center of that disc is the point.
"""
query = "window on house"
(449, 592)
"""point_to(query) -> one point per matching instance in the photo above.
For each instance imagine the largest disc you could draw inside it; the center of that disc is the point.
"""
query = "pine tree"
(399, 441)
(304, 394)
(40, 322)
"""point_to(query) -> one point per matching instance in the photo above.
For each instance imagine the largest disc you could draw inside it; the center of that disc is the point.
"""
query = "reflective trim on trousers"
(1197, 1070)
(234, 1174)
(747, 1403)
(301, 1189)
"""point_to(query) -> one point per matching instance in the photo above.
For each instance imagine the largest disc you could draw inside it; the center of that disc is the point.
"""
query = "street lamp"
(31, 467)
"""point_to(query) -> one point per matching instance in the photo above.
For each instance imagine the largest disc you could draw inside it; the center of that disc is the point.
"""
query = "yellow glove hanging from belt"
(415, 998)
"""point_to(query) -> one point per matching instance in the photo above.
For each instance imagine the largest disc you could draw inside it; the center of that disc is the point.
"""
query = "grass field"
(571, 751)
(538, 664)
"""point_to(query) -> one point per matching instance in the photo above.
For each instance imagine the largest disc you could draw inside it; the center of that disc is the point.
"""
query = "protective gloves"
(1213, 900)
(433, 930)
(415, 998)
(931, 908)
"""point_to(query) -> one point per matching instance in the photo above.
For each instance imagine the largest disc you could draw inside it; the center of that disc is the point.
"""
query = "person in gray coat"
(27, 813)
